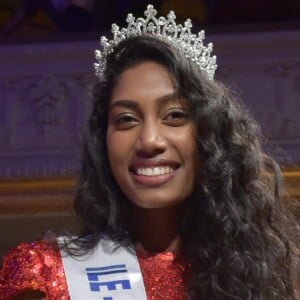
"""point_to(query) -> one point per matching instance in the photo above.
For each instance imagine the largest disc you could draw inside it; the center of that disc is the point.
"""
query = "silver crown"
(191, 45)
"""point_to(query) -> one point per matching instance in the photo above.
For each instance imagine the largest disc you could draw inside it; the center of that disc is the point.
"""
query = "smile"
(154, 176)
(155, 171)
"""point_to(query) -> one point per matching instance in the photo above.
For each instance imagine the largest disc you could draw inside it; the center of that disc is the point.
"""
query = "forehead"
(146, 79)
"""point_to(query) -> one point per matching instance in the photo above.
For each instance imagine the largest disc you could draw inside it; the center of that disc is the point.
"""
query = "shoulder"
(30, 266)
(34, 247)
(28, 254)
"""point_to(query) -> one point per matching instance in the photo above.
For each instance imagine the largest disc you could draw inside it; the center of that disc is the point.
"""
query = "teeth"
(156, 171)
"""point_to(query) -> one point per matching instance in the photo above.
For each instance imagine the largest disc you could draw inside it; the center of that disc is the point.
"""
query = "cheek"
(185, 140)
(119, 148)
(112, 150)
(189, 152)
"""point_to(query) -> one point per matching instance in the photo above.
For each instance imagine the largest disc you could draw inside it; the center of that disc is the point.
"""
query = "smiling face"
(150, 138)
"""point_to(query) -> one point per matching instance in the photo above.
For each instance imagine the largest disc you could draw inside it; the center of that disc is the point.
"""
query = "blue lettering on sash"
(98, 278)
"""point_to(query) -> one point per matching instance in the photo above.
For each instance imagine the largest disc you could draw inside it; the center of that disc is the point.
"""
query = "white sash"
(105, 274)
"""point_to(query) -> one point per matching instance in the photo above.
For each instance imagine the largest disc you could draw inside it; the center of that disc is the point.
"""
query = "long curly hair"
(238, 234)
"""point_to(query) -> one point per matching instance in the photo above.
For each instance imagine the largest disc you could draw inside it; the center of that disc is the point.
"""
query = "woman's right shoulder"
(26, 254)
(38, 246)
(29, 266)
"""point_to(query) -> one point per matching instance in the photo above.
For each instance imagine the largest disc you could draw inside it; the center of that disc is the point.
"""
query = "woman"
(176, 197)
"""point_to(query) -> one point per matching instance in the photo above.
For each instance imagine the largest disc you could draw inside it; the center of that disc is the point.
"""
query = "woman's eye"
(177, 117)
(126, 121)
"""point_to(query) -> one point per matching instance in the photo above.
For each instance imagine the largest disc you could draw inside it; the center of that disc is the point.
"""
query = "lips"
(153, 173)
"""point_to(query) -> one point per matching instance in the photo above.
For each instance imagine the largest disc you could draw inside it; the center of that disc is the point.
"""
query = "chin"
(150, 204)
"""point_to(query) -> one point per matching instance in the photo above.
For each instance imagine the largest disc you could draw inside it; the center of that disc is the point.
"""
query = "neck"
(156, 230)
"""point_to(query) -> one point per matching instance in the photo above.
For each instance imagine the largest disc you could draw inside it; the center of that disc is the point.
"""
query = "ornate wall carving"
(264, 69)
(44, 104)
(44, 98)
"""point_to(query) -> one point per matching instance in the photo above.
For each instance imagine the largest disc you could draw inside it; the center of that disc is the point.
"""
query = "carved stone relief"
(43, 113)
(271, 92)
(43, 121)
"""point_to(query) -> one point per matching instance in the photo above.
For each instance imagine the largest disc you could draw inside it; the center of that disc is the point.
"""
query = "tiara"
(191, 45)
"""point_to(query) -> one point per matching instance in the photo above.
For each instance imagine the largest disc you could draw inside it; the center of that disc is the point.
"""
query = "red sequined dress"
(38, 266)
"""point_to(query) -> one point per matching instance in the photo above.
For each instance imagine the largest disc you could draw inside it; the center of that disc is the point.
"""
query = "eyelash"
(124, 122)
(173, 117)
(177, 114)
(125, 119)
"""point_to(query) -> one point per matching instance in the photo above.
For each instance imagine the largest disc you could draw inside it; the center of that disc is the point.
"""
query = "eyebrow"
(131, 104)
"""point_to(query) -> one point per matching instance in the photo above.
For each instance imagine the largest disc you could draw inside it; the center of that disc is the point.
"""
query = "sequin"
(34, 266)
(164, 275)
(38, 266)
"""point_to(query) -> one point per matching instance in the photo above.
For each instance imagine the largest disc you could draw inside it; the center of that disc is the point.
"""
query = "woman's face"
(150, 138)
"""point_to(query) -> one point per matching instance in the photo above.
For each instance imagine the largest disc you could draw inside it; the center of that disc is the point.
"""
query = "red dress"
(38, 266)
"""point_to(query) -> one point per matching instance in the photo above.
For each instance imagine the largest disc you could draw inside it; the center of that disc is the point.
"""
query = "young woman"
(176, 197)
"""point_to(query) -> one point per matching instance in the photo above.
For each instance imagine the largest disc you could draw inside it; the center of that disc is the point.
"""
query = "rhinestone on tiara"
(191, 45)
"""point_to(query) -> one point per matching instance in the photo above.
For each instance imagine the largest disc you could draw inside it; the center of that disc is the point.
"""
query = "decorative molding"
(46, 101)
(292, 180)
(24, 187)
(55, 196)
(39, 164)
(47, 95)
(283, 70)
(36, 204)
(36, 197)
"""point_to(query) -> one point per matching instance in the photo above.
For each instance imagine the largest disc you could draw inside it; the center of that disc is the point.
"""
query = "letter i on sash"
(110, 272)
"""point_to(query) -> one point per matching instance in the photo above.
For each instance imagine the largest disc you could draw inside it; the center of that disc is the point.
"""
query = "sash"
(108, 273)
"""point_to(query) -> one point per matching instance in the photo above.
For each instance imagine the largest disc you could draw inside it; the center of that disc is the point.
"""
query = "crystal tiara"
(191, 45)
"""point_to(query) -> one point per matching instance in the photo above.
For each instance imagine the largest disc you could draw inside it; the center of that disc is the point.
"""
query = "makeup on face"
(151, 138)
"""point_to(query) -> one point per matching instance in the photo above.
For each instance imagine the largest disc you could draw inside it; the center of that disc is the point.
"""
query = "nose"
(151, 140)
